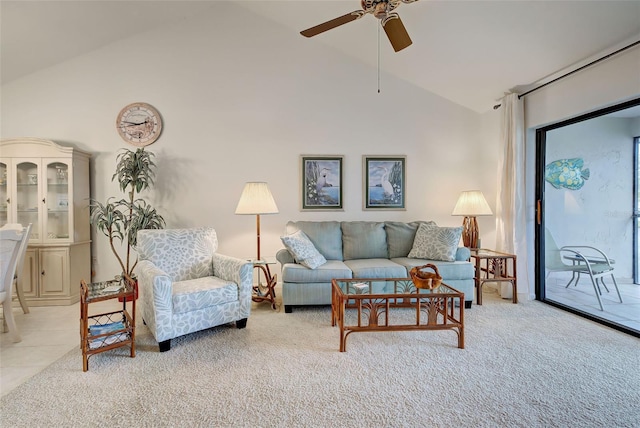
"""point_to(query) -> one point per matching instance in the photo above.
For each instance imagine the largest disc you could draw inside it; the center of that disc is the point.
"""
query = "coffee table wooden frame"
(438, 309)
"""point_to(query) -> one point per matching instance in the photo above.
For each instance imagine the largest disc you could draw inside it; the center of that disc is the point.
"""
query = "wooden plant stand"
(110, 330)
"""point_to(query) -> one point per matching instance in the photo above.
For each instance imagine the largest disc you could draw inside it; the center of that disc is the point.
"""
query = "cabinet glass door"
(57, 198)
(27, 196)
(4, 195)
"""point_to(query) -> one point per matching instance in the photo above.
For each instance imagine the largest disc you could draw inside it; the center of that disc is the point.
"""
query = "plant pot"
(135, 290)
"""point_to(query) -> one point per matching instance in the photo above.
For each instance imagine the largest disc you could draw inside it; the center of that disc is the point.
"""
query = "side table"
(494, 266)
(110, 330)
(265, 291)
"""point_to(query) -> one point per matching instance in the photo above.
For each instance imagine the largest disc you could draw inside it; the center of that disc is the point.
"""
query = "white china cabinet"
(47, 184)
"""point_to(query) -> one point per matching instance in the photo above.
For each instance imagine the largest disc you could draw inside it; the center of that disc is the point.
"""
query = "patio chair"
(584, 260)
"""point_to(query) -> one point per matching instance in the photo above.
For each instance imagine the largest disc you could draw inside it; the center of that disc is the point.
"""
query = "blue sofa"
(362, 249)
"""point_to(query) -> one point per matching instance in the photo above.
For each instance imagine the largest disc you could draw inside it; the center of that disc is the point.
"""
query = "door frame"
(539, 223)
(636, 209)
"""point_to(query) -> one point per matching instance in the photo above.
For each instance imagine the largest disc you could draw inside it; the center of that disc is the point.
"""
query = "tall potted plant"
(120, 220)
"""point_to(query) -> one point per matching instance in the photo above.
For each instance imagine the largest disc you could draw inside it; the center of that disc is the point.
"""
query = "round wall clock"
(139, 124)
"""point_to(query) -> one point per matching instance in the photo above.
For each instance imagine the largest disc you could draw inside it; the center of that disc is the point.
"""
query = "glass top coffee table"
(375, 304)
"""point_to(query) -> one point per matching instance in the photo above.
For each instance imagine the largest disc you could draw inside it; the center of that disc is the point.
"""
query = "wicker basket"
(428, 280)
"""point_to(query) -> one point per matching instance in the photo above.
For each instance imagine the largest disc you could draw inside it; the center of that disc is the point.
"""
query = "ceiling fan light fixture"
(381, 9)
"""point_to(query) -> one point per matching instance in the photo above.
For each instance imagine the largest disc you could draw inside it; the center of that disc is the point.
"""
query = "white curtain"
(511, 229)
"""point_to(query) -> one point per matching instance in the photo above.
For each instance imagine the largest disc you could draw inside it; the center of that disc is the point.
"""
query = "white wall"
(635, 127)
(488, 183)
(601, 85)
(241, 101)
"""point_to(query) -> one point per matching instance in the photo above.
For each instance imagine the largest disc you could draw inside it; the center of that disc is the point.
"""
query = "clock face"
(139, 124)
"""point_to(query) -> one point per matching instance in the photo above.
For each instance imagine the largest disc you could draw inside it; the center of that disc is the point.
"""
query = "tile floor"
(50, 332)
(582, 297)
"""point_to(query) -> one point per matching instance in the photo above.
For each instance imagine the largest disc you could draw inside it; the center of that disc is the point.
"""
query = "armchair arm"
(239, 271)
(156, 306)
(463, 254)
(284, 256)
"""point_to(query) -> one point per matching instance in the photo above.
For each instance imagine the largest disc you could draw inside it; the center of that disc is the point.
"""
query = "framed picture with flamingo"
(384, 182)
(321, 182)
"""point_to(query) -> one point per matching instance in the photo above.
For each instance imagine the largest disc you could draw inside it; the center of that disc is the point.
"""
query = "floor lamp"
(471, 203)
(256, 199)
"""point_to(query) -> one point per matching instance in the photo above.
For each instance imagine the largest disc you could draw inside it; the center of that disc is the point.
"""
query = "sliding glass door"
(636, 212)
(587, 188)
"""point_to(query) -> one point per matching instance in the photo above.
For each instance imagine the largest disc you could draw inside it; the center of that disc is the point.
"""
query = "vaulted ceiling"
(469, 52)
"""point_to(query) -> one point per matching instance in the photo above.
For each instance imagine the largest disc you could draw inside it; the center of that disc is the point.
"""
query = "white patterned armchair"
(185, 286)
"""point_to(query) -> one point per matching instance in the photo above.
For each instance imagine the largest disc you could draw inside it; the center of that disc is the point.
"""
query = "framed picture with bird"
(384, 182)
(321, 182)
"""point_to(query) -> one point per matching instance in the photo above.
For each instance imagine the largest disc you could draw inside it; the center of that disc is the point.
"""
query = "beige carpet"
(525, 365)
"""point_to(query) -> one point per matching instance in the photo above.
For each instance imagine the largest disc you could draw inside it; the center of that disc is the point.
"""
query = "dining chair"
(23, 250)
(10, 242)
(584, 259)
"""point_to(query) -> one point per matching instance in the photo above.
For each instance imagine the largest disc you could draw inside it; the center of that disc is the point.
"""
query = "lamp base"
(470, 232)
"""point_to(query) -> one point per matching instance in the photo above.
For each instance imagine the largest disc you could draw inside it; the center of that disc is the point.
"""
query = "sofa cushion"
(194, 294)
(364, 240)
(303, 250)
(376, 268)
(331, 269)
(325, 235)
(400, 236)
(436, 243)
(448, 270)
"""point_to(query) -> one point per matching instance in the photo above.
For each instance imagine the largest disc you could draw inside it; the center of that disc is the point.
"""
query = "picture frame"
(384, 182)
(321, 182)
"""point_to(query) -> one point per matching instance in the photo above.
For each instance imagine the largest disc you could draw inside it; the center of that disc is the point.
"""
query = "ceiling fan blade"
(396, 32)
(325, 26)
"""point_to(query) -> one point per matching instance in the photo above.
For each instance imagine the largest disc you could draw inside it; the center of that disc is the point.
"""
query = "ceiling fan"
(381, 9)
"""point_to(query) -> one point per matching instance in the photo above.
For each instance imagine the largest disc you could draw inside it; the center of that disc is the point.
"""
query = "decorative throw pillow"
(325, 235)
(303, 250)
(436, 243)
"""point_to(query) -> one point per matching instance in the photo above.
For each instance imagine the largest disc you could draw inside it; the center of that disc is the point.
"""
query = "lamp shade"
(472, 203)
(256, 199)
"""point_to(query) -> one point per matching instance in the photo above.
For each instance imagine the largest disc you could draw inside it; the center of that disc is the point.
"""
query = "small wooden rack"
(109, 330)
